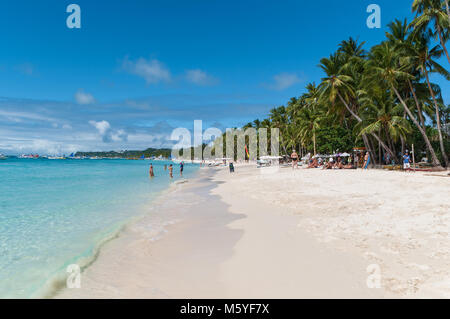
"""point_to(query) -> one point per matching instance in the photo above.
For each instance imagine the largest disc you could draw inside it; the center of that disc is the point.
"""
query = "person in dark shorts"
(231, 167)
(406, 161)
(181, 168)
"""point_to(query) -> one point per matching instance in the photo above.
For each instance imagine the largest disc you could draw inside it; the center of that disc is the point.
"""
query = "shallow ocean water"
(54, 213)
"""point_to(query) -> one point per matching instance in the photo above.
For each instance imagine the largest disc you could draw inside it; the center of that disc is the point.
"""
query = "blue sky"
(137, 69)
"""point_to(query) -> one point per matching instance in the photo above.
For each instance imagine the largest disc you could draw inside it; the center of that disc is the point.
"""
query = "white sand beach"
(264, 233)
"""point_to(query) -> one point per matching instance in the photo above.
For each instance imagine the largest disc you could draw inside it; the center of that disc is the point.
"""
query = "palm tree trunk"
(373, 134)
(314, 141)
(438, 120)
(283, 144)
(372, 152)
(434, 159)
(438, 27)
(419, 109)
(402, 141)
(379, 148)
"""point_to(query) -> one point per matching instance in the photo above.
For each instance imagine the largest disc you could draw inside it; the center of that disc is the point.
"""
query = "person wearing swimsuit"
(152, 174)
(171, 171)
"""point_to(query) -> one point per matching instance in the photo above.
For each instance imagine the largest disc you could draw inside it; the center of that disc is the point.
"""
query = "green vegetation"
(381, 99)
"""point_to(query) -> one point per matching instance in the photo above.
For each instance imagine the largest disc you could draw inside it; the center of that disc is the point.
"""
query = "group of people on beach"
(339, 163)
(349, 162)
(152, 172)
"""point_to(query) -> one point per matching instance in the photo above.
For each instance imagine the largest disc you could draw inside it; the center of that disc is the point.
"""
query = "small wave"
(52, 286)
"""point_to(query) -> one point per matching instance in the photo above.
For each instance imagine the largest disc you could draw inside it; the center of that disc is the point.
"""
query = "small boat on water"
(56, 158)
(3, 157)
(34, 156)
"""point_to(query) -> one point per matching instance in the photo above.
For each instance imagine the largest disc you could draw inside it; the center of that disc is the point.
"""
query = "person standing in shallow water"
(181, 168)
(171, 171)
(152, 174)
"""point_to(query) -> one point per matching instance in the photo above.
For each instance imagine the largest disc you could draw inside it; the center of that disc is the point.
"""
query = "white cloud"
(120, 136)
(24, 116)
(101, 126)
(84, 98)
(40, 146)
(284, 81)
(199, 77)
(153, 71)
(107, 134)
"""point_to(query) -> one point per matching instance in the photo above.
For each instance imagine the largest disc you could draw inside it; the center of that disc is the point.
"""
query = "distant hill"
(165, 152)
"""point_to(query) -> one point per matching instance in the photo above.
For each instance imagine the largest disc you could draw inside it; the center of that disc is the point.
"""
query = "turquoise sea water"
(57, 212)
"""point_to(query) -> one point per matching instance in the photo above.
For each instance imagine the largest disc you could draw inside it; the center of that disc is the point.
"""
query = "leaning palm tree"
(338, 86)
(427, 12)
(383, 65)
(425, 61)
(308, 124)
(400, 37)
(384, 116)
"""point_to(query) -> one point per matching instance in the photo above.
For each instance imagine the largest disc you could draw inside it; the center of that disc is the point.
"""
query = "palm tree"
(428, 11)
(337, 85)
(447, 8)
(384, 116)
(384, 65)
(278, 117)
(424, 59)
(398, 33)
(308, 124)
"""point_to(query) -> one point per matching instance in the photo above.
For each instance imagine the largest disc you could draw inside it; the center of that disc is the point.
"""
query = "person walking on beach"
(231, 167)
(294, 157)
(152, 174)
(366, 161)
(181, 168)
(171, 171)
(406, 161)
